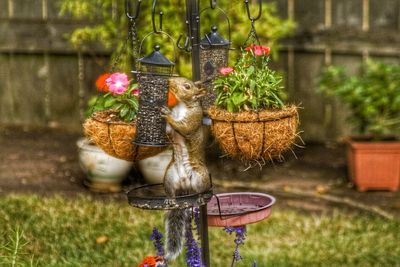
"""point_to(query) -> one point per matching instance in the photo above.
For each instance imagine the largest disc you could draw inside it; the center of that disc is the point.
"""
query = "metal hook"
(128, 9)
(248, 10)
(153, 12)
(186, 46)
(213, 3)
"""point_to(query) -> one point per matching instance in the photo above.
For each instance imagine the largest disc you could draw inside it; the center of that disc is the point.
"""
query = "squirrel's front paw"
(170, 202)
(165, 111)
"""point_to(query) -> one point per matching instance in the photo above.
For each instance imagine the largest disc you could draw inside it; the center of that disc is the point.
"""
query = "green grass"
(62, 232)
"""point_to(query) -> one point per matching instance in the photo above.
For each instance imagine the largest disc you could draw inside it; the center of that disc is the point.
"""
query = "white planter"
(153, 168)
(99, 167)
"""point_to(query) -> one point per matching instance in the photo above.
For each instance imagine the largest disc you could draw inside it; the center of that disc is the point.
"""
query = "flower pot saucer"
(239, 209)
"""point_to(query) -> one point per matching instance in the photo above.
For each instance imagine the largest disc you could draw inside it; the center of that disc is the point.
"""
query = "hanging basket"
(254, 136)
(115, 136)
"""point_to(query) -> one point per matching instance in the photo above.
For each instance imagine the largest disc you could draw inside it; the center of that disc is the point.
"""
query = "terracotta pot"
(374, 165)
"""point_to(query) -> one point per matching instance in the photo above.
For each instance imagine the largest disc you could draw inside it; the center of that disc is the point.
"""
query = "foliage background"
(108, 26)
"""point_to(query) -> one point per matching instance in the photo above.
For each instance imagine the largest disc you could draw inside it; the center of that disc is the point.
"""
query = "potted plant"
(111, 123)
(373, 97)
(107, 155)
(249, 119)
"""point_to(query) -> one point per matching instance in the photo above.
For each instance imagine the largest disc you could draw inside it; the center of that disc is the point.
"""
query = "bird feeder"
(153, 73)
(213, 56)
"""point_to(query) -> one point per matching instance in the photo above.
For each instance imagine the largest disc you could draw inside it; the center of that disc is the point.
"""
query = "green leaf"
(124, 111)
(109, 102)
(238, 98)
(250, 70)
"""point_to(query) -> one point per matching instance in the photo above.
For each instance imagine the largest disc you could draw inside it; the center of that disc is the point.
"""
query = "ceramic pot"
(104, 173)
(153, 168)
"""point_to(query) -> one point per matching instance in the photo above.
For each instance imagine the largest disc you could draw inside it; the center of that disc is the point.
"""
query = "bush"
(373, 95)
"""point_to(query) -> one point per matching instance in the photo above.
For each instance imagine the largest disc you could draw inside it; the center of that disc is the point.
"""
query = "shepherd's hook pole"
(193, 14)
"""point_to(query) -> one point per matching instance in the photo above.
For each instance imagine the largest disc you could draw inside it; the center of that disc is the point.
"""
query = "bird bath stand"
(228, 209)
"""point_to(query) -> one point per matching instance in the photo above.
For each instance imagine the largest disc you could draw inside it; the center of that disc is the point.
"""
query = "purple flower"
(193, 252)
(156, 236)
(239, 240)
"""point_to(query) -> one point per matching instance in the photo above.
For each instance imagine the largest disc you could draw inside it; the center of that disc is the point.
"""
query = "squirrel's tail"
(175, 227)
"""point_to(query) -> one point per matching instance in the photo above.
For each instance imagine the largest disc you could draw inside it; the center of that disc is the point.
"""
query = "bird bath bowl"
(238, 209)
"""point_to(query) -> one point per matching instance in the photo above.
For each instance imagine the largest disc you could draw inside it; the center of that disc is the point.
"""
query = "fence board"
(3, 8)
(24, 98)
(340, 112)
(64, 91)
(384, 14)
(281, 7)
(309, 14)
(306, 69)
(347, 13)
(27, 8)
(6, 101)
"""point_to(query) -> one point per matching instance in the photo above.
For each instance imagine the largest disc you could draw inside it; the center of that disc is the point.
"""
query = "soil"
(312, 179)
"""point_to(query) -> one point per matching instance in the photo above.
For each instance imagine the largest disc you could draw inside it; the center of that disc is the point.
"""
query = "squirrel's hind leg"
(171, 183)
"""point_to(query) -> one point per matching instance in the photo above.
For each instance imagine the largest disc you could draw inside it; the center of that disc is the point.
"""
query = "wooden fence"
(45, 82)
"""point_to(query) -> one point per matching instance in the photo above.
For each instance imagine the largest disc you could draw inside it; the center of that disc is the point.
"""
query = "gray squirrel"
(187, 172)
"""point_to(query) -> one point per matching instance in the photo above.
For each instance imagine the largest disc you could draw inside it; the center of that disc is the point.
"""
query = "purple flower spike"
(156, 236)
(239, 240)
(193, 252)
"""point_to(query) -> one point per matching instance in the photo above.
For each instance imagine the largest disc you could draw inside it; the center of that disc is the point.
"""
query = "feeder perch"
(154, 197)
(154, 71)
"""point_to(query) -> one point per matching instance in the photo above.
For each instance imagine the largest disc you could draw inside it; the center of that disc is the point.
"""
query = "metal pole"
(205, 251)
(193, 15)
(194, 23)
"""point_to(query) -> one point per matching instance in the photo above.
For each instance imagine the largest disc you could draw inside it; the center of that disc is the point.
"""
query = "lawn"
(63, 231)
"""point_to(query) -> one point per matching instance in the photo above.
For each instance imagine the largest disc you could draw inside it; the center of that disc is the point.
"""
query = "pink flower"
(117, 83)
(258, 50)
(226, 70)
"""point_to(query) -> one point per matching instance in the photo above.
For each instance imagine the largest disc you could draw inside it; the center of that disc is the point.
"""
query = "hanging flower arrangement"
(249, 119)
(112, 115)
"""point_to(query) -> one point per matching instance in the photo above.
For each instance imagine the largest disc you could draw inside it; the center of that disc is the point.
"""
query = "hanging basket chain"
(131, 37)
(252, 36)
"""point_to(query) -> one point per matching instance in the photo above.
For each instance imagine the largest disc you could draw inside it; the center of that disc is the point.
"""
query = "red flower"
(258, 50)
(226, 70)
(101, 84)
(150, 261)
(135, 91)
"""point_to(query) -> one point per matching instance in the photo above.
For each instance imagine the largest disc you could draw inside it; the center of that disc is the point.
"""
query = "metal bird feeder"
(153, 73)
(214, 52)
(213, 56)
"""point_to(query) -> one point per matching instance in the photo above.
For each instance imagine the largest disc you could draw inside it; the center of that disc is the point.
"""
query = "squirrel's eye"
(187, 86)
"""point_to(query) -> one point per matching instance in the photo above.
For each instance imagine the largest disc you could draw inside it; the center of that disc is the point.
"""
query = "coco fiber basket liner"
(254, 136)
(115, 137)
